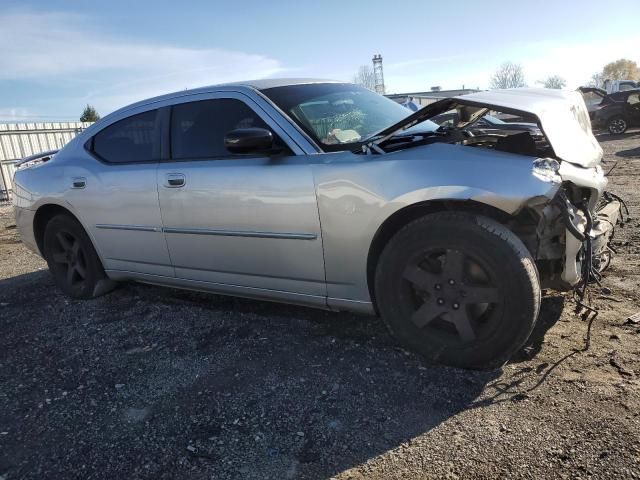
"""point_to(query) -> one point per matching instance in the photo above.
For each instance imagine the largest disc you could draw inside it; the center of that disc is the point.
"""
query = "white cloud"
(52, 47)
(16, 114)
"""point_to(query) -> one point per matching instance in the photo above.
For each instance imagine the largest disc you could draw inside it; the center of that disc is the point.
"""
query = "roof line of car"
(240, 87)
(237, 87)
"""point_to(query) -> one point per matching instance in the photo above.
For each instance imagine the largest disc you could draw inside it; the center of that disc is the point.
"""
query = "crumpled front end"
(575, 228)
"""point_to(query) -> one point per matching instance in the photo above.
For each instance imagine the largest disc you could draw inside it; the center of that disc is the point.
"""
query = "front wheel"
(72, 260)
(459, 289)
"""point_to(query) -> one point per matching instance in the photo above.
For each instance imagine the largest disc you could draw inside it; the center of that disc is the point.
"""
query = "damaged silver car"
(327, 195)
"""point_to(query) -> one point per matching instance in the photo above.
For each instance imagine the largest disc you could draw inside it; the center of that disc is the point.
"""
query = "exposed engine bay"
(569, 236)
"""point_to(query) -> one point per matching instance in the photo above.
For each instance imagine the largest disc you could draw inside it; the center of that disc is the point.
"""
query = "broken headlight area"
(573, 241)
(546, 169)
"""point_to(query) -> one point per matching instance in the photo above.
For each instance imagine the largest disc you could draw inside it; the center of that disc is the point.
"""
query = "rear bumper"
(24, 225)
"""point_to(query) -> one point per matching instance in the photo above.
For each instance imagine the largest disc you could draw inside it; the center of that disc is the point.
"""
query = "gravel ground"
(149, 382)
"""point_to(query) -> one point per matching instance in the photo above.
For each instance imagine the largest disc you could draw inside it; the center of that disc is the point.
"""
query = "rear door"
(240, 221)
(115, 193)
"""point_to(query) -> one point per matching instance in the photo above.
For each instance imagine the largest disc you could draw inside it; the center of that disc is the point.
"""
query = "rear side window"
(198, 128)
(134, 139)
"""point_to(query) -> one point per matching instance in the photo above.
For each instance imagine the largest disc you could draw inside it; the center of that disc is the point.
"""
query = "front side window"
(133, 139)
(198, 128)
(338, 115)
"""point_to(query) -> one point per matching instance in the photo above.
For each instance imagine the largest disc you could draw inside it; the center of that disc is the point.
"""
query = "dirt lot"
(148, 382)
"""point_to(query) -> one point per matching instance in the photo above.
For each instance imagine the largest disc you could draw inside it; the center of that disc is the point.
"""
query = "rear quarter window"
(133, 139)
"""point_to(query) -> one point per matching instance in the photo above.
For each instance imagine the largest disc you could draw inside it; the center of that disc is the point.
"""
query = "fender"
(356, 198)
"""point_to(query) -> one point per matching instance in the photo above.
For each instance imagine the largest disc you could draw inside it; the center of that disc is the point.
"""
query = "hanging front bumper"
(578, 233)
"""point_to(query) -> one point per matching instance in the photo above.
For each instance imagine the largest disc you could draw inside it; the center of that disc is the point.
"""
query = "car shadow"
(514, 389)
(629, 153)
(550, 312)
(609, 137)
(194, 382)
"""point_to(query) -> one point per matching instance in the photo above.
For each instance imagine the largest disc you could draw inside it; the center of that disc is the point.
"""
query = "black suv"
(616, 112)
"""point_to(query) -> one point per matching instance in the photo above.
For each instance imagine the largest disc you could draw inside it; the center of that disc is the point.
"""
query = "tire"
(72, 260)
(617, 125)
(434, 273)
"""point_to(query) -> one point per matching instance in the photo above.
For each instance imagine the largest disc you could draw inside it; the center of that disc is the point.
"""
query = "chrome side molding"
(206, 231)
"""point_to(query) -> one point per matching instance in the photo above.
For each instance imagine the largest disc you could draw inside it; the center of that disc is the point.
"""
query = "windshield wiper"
(372, 144)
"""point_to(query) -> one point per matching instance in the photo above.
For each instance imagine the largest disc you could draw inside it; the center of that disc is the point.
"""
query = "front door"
(247, 221)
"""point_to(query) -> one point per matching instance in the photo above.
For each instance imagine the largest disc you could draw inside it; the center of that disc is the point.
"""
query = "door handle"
(175, 180)
(79, 182)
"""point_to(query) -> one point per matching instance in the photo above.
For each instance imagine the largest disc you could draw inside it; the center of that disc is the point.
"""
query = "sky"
(59, 55)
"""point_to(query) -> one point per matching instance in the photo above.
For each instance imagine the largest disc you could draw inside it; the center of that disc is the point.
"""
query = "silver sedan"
(328, 195)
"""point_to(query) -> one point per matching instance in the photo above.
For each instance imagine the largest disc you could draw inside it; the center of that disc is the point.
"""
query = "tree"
(622, 69)
(509, 75)
(597, 80)
(365, 77)
(554, 81)
(89, 114)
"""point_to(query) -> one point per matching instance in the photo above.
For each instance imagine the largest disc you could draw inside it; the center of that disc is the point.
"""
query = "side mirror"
(248, 140)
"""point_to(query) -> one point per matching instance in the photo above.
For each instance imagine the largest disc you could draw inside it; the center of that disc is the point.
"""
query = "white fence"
(19, 140)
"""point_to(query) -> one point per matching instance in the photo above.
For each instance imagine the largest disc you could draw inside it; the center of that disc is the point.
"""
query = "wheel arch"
(405, 215)
(620, 114)
(43, 215)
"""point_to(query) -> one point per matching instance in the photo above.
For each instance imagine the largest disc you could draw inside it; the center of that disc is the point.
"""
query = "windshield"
(340, 115)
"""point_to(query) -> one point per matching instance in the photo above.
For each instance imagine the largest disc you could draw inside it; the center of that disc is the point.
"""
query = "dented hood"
(562, 115)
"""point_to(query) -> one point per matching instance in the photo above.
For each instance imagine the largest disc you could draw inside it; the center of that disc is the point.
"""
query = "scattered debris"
(611, 299)
(633, 319)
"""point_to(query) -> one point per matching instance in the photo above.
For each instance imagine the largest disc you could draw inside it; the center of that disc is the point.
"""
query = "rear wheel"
(72, 260)
(459, 289)
(617, 125)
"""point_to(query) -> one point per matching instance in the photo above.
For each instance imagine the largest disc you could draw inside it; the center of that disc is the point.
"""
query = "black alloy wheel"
(617, 125)
(458, 288)
(72, 259)
(453, 296)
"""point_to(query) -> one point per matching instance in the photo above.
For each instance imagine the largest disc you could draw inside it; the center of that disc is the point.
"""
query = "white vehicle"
(613, 86)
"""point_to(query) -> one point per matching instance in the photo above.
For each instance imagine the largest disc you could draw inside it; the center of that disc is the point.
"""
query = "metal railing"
(7, 169)
(19, 140)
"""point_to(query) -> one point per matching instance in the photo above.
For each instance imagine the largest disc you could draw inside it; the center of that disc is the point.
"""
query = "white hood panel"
(562, 114)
